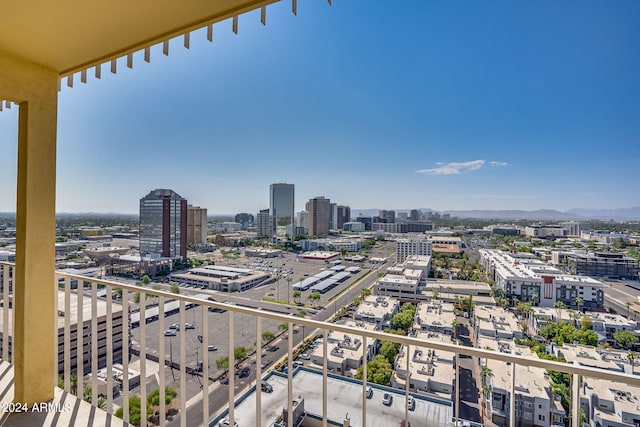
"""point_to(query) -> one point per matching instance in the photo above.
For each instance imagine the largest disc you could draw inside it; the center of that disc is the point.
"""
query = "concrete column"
(35, 89)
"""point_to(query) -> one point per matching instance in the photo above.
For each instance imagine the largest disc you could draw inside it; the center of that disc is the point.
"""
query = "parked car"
(266, 387)
(212, 348)
(244, 372)
(305, 356)
(189, 326)
(170, 333)
(387, 399)
(175, 326)
(225, 423)
(411, 403)
(369, 392)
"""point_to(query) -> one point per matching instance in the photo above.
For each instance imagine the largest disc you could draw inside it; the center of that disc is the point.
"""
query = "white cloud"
(453, 168)
(494, 163)
(456, 168)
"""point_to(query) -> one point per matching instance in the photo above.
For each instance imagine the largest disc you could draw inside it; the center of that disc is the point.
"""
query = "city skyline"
(442, 106)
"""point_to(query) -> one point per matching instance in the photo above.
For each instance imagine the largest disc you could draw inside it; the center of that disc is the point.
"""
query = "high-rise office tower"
(245, 219)
(196, 225)
(263, 226)
(318, 209)
(333, 216)
(388, 216)
(163, 224)
(281, 212)
(343, 216)
(415, 215)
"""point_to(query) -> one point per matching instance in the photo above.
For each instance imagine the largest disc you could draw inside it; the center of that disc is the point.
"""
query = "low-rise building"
(377, 310)
(430, 371)
(344, 351)
(434, 316)
(221, 278)
(496, 322)
(88, 314)
(535, 404)
(524, 278)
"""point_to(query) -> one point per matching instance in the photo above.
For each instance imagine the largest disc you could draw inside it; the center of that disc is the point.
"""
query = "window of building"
(541, 417)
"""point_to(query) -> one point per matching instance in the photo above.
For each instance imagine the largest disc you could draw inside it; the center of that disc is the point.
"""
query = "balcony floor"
(66, 409)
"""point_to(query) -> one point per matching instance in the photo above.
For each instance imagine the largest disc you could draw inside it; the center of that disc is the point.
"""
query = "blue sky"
(443, 105)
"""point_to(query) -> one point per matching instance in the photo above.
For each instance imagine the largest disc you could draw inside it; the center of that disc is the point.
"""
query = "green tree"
(625, 339)
(389, 350)
(344, 251)
(296, 295)
(559, 305)
(314, 296)
(455, 325)
(222, 362)
(365, 292)
(146, 279)
(579, 302)
(379, 371)
(175, 288)
(240, 353)
(402, 320)
(632, 356)
(283, 326)
(268, 336)
(153, 398)
(134, 411)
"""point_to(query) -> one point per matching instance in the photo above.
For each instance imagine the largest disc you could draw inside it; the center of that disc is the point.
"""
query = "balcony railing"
(115, 339)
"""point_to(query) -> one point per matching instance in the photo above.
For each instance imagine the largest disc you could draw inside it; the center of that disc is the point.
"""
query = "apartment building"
(430, 371)
(598, 264)
(523, 278)
(345, 351)
(535, 403)
(496, 322)
(377, 310)
(434, 316)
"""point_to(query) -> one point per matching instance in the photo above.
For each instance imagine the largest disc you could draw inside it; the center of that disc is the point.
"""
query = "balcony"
(116, 339)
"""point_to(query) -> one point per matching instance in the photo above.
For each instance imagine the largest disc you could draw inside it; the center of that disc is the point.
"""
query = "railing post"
(512, 402)
(205, 366)
(126, 325)
(325, 337)
(231, 372)
(575, 400)
(258, 371)
(364, 380)
(94, 344)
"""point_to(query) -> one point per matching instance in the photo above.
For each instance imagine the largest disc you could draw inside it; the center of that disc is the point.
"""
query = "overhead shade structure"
(70, 36)
(42, 43)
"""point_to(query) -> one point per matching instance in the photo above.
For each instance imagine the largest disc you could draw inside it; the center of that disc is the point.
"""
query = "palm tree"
(296, 295)
(628, 304)
(534, 298)
(455, 325)
(365, 292)
(579, 302)
(314, 296)
(632, 355)
(485, 373)
(74, 383)
(559, 305)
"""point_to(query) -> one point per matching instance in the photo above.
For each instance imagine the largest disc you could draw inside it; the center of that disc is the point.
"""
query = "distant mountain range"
(624, 214)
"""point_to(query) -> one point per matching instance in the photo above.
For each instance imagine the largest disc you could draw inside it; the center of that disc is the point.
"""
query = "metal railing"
(95, 331)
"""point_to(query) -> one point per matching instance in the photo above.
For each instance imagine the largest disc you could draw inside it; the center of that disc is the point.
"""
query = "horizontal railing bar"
(407, 340)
